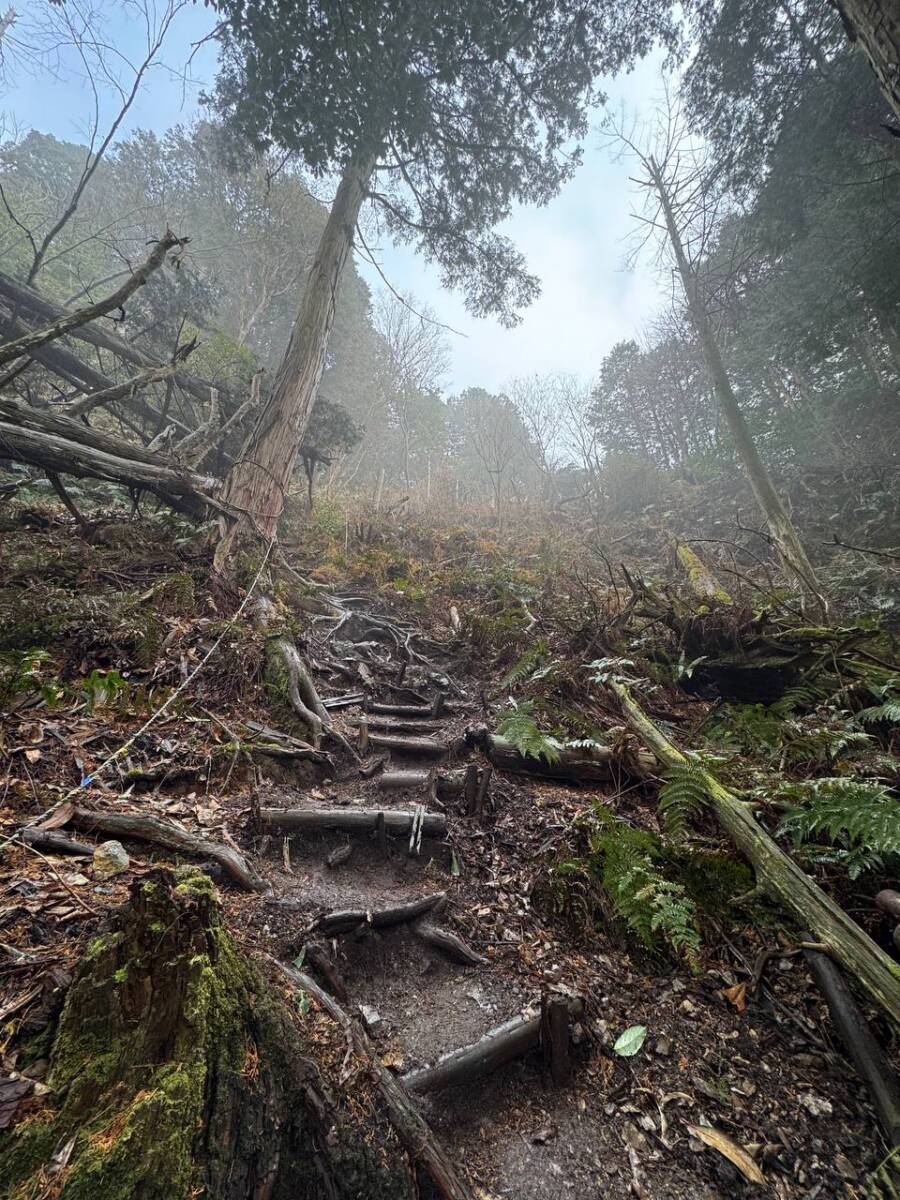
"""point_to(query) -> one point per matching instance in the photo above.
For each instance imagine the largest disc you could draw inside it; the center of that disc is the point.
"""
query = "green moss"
(177, 1074)
(712, 879)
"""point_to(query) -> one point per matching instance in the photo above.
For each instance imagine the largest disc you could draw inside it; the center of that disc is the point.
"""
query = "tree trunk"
(258, 483)
(875, 26)
(781, 527)
(175, 1071)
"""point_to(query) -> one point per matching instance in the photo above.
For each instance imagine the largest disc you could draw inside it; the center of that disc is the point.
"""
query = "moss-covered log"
(778, 876)
(175, 1073)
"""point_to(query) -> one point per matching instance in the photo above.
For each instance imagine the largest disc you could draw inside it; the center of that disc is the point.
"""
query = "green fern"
(534, 658)
(521, 729)
(681, 797)
(803, 695)
(861, 817)
(651, 905)
(889, 712)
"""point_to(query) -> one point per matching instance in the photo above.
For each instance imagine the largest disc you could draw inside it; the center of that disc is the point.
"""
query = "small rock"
(663, 1047)
(845, 1168)
(688, 1007)
(77, 880)
(541, 1136)
(110, 858)
(816, 1106)
(372, 1018)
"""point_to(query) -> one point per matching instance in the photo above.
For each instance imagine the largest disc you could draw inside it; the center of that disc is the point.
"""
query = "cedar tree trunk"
(258, 482)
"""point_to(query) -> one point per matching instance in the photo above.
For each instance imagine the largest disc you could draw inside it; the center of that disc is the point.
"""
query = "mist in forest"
(449, 599)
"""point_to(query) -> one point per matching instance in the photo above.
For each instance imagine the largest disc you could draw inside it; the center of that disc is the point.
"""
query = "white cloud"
(577, 246)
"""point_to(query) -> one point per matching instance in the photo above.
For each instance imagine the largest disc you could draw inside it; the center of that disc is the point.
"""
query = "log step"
(408, 710)
(424, 747)
(351, 820)
(501, 1045)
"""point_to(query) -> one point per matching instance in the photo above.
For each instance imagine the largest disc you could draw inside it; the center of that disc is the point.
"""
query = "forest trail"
(762, 1076)
(505, 871)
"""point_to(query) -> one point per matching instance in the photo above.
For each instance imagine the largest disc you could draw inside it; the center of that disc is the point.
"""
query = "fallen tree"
(65, 446)
(777, 875)
(69, 319)
(19, 298)
(600, 764)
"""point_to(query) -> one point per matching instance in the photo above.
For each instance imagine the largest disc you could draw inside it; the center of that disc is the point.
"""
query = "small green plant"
(26, 671)
(532, 665)
(521, 730)
(681, 797)
(888, 713)
(104, 689)
(653, 906)
(860, 817)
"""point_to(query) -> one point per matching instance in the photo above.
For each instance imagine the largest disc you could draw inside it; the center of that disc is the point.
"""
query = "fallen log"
(778, 876)
(867, 1056)
(451, 944)
(423, 747)
(603, 764)
(421, 711)
(54, 842)
(351, 820)
(400, 725)
(69, 320)
(165, 833)
(118, 391)
(510, 1040)
(23, 298)
(411, 1128)
(346, 920)
(176, 486)
(448, 784)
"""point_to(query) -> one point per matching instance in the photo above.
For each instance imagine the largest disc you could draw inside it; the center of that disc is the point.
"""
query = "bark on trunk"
(875, 26)
(258, 483)
(778, 876)
(175, 1071)
(784, 535)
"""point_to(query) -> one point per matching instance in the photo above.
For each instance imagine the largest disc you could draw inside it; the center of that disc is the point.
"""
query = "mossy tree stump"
(176, 1073)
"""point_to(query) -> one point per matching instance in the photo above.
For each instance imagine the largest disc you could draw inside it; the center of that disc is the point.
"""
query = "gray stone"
(110, 858)
(372, 1018)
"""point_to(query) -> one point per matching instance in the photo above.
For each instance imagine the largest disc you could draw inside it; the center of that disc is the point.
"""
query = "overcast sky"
(577, 245)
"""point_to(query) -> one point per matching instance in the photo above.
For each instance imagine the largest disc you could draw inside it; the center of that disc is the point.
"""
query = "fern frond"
(651, 905)
(535, 656)
(804, 695)
(521, 730)
(858, 815)
(889, 712)
(681, 797)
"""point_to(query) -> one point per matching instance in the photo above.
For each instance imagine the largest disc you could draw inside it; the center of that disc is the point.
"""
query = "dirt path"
(766, 1077)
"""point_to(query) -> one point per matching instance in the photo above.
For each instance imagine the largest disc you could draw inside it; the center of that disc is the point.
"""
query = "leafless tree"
(70, 40)
(683, 214)
(416, 361)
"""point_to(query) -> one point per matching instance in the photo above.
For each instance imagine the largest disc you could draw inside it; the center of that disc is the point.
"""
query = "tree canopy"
(465, 109)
